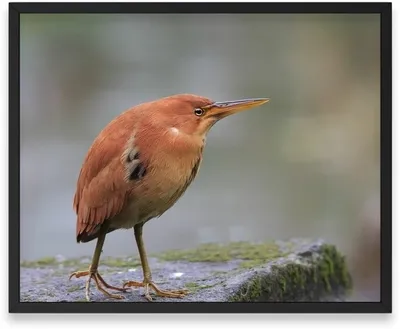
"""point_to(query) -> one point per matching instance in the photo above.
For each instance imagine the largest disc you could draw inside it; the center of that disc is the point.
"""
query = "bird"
(137, 167)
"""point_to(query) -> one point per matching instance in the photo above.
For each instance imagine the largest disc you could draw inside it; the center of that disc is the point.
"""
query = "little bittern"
(137, 168)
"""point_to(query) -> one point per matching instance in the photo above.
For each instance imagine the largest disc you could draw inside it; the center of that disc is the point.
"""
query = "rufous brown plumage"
(138, 167)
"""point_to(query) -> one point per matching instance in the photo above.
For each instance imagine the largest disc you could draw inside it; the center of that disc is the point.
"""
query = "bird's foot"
(149, 284)
(100, 284)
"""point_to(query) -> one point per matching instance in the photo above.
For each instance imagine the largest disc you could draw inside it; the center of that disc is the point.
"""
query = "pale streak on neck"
(182, 142)
(174, 131)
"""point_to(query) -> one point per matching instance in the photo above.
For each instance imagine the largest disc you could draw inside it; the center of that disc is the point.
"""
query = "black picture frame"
(385, 11)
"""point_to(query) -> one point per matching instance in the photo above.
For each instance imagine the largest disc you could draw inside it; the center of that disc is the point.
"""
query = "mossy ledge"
(314, 275)
(296, 270)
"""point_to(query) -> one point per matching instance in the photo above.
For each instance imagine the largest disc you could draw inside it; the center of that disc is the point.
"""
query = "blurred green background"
(304, 165)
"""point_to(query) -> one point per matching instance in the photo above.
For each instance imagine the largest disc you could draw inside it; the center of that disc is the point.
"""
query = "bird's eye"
(199, 112)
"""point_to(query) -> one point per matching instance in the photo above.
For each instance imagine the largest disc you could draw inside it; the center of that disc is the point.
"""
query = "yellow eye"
(199, 112)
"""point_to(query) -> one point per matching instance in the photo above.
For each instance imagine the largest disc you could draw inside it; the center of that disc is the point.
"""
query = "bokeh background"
(304, 165)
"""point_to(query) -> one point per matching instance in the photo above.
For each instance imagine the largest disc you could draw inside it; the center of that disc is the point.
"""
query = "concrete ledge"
(296, 270)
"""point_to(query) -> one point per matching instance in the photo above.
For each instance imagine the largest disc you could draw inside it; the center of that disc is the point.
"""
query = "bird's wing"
(102, 190)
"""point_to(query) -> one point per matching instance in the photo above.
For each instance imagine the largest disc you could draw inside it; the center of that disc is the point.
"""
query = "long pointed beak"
(222, 109)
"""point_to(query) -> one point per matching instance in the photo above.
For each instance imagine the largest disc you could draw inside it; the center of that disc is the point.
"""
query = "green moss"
(249, 292)
(51, 261)
(333, 269)
(204, 253)
(252, 254)
(74, 288)
(78, 262)
(313, 277)
(194, 287)
(205, 286)
(255, 262)
(283, 285)
(46, 261)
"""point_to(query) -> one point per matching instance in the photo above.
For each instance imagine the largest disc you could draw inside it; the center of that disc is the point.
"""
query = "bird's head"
(195, 115)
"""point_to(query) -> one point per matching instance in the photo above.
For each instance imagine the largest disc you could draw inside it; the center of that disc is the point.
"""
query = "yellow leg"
(93, 273)
(147, 281)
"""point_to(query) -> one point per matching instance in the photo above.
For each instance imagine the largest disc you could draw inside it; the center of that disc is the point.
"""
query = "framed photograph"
(224, 156)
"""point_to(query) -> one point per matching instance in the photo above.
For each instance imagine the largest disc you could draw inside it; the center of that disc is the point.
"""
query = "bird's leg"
(147, 281)
(94, 274)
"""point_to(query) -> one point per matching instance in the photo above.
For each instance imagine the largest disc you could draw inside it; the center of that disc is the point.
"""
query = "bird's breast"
(165, 181)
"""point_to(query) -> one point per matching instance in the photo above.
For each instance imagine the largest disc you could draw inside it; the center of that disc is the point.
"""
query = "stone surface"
(297, 270)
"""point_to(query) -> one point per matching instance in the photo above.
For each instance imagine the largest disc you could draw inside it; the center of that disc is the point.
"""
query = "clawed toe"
(150, 285)
(100, 284)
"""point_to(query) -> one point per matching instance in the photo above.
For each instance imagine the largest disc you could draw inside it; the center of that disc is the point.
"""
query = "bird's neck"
(182, 145)
(170, 143)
